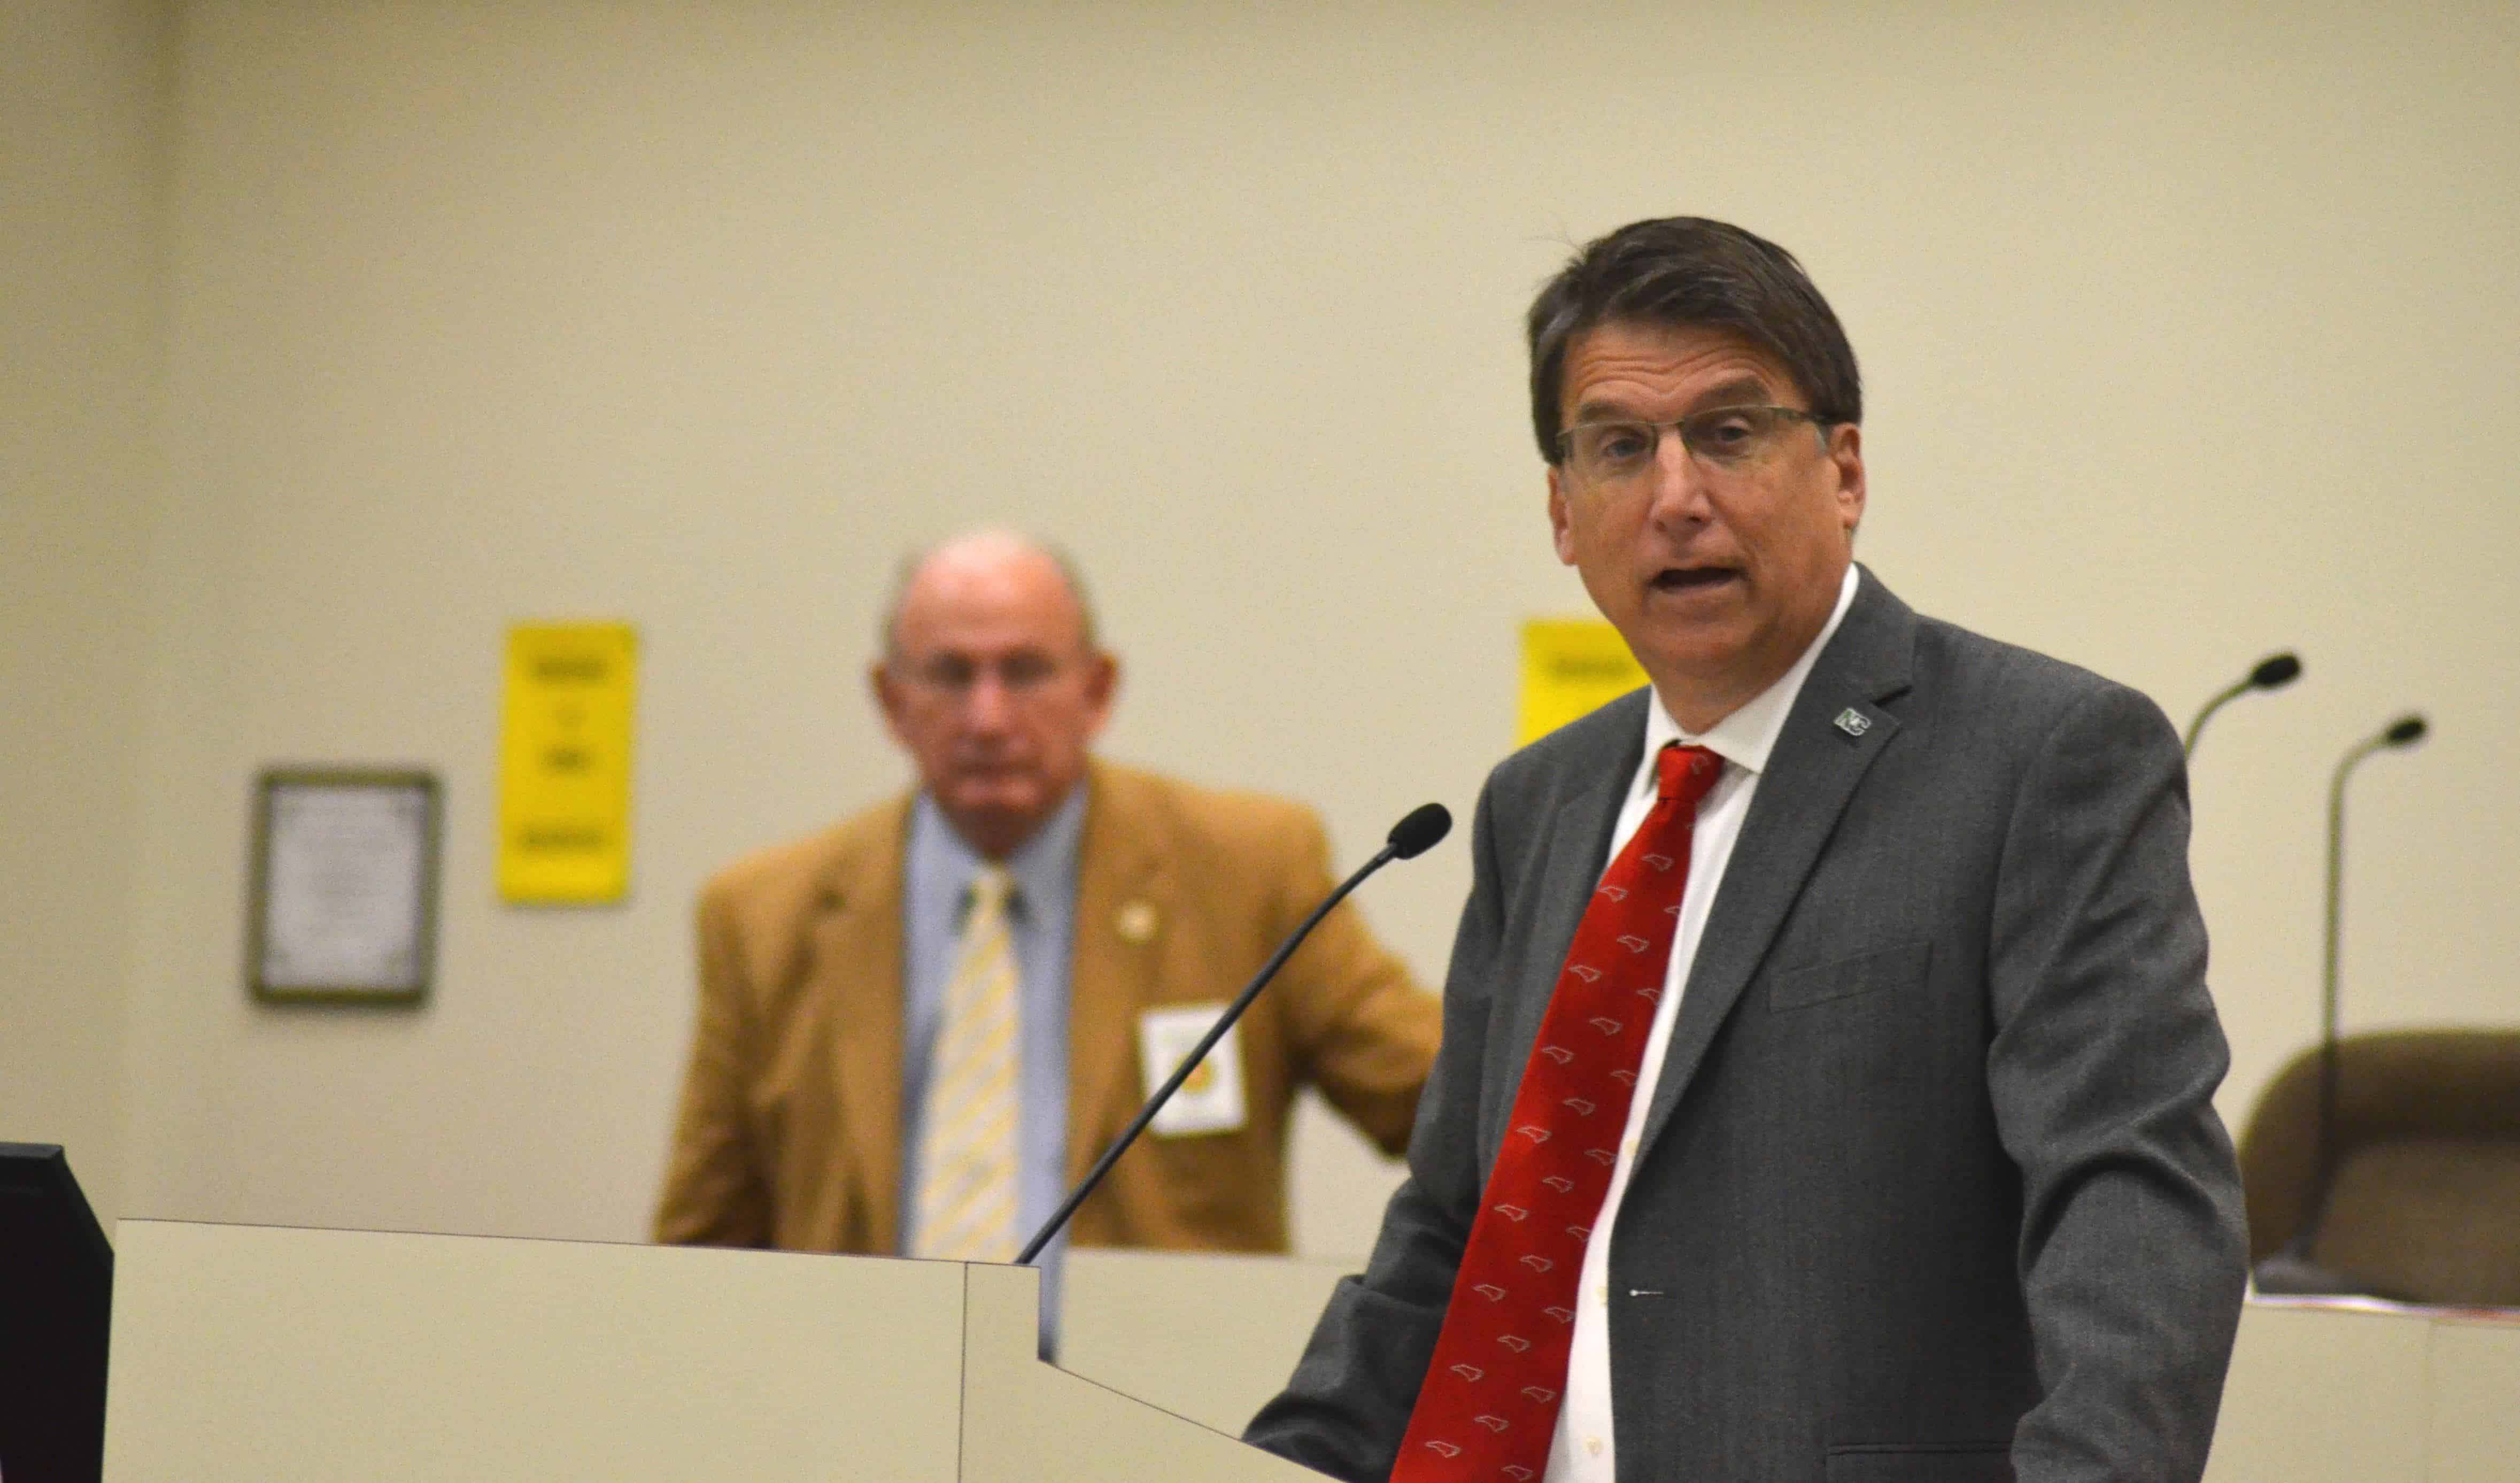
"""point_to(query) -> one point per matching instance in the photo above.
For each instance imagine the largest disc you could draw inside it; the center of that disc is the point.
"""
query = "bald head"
(990, 554)
(992, 682)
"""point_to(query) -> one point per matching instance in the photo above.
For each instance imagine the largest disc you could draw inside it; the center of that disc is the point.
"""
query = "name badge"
(1211, 1101)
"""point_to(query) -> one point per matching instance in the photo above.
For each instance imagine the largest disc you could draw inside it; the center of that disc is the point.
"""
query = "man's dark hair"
(1688, 272)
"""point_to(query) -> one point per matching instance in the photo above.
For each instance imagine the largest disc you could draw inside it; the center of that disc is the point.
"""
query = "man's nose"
(1677, 482)
(988, 706)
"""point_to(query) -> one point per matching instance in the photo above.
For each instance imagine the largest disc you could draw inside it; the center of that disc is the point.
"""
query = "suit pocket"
(1902, 966)
(1930, 1462)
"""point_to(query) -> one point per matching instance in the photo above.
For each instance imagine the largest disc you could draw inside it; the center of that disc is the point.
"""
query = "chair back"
(2425, 1203)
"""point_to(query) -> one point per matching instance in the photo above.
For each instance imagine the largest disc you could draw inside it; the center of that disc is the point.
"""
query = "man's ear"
(1846, 451)
(888, 699)
(1101, 686)
(1561, 530)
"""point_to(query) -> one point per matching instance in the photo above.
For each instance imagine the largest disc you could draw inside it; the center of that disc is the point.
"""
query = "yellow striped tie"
(967, 1142)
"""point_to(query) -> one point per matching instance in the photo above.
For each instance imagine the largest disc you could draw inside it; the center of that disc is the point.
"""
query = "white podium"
(277, 1355)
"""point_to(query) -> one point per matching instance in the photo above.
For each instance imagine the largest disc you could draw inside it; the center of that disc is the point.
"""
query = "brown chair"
(2424, 1205)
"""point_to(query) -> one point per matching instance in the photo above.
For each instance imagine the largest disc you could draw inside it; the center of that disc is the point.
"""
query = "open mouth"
(1689, 579)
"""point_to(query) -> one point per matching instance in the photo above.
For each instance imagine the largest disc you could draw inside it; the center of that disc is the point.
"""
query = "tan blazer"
(790, 1125)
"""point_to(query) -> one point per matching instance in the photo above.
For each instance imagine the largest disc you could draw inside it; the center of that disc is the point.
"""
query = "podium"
(277, 1355)
(281, 1355)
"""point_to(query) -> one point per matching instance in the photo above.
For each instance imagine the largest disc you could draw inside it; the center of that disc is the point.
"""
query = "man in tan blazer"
(793, 1130)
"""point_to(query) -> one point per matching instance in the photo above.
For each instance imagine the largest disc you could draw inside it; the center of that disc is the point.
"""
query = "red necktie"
(1489, 1404)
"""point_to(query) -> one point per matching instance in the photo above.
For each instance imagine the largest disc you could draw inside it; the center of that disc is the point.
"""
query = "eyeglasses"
(1724, 438)
(954, 676)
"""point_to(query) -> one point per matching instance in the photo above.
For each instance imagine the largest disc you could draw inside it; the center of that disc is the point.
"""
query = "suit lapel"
(1811, 774)
(1112, 968)
(1579, 846)
(857, 975)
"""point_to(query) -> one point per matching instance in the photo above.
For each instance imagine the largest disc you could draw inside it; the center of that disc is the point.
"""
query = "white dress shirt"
(1582, 1451)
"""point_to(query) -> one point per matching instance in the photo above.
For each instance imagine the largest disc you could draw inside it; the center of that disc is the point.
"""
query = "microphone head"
(2405, 730)
(1418, 833)
(2275, 671)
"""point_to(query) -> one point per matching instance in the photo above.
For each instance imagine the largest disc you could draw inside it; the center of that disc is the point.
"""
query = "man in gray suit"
(1920, 1176)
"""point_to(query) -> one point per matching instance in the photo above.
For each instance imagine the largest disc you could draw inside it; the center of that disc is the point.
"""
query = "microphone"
(1424, 828)
(2273, 672)
(2290, 1270)
(1414, 836)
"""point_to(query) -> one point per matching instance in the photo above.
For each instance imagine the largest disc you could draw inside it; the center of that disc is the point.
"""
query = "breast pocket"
(1898, 967)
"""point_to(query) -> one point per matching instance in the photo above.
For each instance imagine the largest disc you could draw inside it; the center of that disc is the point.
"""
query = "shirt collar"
(1746, 736)
(1043, 866)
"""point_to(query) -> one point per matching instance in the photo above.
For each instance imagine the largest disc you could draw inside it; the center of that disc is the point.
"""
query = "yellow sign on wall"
(565, 763)
(1570, 668)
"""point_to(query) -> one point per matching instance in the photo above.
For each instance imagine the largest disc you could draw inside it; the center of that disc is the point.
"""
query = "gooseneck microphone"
(1414, 836)
(2273, 672)
(2290, 1270)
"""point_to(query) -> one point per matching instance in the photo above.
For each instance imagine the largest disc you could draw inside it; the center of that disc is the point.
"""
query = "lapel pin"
(1853, 722)
(1137, 923)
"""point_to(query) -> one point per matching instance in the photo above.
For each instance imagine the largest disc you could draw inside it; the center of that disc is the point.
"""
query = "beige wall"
(84, 98)
(2189, 330)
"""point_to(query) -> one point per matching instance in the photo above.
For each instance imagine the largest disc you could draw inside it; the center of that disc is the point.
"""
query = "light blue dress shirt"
(937, 889)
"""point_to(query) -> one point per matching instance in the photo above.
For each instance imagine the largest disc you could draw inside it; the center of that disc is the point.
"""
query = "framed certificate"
(345, 905)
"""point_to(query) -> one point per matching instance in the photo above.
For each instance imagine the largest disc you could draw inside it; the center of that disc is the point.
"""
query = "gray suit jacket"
(1932, 1186)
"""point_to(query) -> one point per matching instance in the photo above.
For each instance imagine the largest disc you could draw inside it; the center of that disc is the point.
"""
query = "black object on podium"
(56, 1300)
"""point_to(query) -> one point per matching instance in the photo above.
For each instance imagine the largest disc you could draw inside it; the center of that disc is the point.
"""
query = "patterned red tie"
(1489, 1405)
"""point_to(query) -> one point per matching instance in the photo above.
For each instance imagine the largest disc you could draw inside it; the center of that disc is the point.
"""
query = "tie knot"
(1684, 773)
(991, 889)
